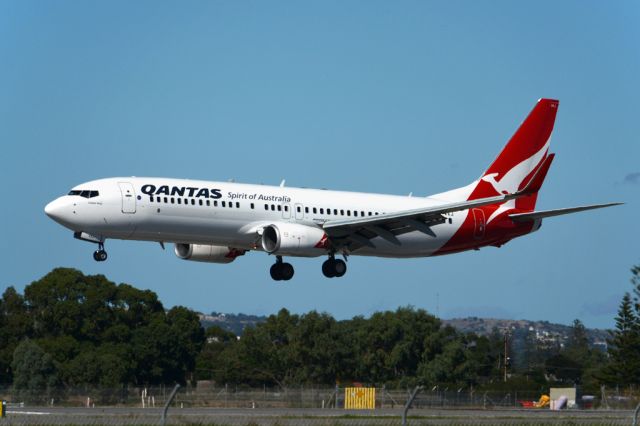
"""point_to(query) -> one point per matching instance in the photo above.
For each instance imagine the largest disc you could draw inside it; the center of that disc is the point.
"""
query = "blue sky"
(388, 97)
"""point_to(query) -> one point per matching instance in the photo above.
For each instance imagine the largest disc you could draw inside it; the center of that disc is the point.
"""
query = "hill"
(545, 331)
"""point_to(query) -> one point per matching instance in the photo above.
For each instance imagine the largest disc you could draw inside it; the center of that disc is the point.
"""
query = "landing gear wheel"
(333, 267)
(281, 271)
(276, 272)
(339, 267)
(286, 271)
(100, 255)
(327, 268)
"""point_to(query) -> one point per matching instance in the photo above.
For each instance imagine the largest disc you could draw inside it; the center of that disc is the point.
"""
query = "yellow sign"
(360, 398)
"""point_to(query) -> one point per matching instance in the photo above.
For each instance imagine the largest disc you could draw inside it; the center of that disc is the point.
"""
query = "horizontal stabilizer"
(525, 217)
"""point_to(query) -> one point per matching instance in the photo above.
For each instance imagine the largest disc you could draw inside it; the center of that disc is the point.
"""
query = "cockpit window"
(84, 193)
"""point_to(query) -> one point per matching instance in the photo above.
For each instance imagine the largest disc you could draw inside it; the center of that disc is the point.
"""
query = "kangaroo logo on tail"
(522, 155)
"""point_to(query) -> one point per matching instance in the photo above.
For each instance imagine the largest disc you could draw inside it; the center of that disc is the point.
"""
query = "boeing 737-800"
(219, 221)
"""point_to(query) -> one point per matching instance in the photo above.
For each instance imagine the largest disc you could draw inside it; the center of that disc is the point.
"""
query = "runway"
(311, 417)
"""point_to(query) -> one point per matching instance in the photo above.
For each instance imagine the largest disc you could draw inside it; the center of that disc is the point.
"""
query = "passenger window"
(200, 202)
(151, 198)
(266, 206)
(273, 207)
(286, 208)
(224, 204)
(208, 203)
(279, 208)
(193, 202)
(321, 210)
(252, 206)
(215, 203)
(230, 204)
(328, 211)
(335, 211)
(376, 213)
(173, 200)
(341, 212)
(298, 209)
(306, 209)
(361, 213)
(369, 213)
(348, 212)
(355, 212)
(166, 199)
(315, 210)
(237, 205)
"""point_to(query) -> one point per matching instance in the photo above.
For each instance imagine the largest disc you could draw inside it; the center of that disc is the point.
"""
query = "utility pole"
(506, 354)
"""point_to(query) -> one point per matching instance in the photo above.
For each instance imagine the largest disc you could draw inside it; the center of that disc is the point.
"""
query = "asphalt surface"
(309, 416)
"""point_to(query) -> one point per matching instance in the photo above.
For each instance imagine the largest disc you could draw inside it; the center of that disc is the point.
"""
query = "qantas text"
(181, 191)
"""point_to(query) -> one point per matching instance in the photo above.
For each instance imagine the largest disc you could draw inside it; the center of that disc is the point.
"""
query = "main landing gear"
(281, 271)
(333, 267)
(100, 255)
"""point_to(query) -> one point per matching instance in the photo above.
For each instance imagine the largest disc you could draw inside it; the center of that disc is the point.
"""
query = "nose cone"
(56, 210)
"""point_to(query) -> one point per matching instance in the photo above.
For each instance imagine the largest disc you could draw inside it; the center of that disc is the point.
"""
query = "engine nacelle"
(294, 240)
(207, 253)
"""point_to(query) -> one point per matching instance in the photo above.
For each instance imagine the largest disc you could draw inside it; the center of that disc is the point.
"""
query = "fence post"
(408, 404)
(166, 405)
(635, 415)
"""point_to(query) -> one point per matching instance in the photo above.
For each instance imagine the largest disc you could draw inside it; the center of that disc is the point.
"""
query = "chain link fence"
(242, 406)
(232, 396)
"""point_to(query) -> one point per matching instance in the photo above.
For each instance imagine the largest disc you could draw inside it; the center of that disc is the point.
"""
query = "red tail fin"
(522, 156)
(532, 185)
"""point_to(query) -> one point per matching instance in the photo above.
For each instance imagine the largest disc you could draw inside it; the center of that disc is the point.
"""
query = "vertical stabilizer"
(522, 156)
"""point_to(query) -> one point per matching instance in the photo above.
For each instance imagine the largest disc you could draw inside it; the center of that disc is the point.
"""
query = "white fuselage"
(232, 214)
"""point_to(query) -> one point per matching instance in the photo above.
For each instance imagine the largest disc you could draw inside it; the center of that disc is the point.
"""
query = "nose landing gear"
(333, 267)
(100, 255)
(281, 271)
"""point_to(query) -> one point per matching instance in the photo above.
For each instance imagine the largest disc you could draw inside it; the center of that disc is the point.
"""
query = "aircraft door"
(299, 212)
(286, 211)
(128, 197)
(478, 218)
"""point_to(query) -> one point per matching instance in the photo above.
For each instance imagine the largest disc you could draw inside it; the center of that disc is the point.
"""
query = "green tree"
(624, 347)
(216, 360)
(564, 368)
(35, 376)
(14, 326)
(103, 334)
(577, 346)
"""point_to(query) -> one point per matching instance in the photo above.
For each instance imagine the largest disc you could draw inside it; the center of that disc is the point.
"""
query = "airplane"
(219, 221)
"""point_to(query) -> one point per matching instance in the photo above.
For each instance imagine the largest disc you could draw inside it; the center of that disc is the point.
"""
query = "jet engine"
(294, 240)
(207, 253)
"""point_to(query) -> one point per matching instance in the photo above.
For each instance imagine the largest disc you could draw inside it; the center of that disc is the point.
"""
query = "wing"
(525, 217)
(355, 233)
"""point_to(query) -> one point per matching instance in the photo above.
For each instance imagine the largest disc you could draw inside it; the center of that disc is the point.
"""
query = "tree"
(624, 346)
(14, 326)
(35, 376)
(577, 346)
(100, 333)
(564, 368)
(215, 360)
